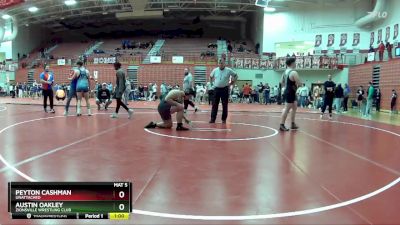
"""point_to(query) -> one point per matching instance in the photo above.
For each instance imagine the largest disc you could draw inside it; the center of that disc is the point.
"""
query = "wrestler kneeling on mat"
(173, 104)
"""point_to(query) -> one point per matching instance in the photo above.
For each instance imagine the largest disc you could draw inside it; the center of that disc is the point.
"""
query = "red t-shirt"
(246, 90)
(381, 47)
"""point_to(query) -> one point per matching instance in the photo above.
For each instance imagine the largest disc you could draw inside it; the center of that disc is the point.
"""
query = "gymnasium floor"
(344, 171)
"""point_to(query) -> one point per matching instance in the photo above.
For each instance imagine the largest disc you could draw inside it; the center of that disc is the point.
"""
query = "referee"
(222, 77)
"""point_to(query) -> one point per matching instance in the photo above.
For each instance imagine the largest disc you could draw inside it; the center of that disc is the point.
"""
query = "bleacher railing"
(242, 62)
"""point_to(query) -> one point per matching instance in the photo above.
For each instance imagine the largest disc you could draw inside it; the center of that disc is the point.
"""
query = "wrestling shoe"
(283, 128)
(114, 116)
(151, 125)
(181, 128)
(130, 113)
(294, 126)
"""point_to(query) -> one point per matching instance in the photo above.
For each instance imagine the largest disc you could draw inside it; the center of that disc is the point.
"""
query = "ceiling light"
(6, 17)
(233, 11)
(27, 25)
(33, 9)
(269, 9)
(61, 18)
(105, 13)
(70, 2)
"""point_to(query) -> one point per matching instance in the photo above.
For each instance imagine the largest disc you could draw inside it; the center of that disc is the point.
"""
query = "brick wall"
(154, 73)
(171, 74)
(389, 80)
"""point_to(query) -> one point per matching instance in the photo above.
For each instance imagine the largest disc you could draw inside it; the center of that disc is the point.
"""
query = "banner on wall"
(318, 40)
(263, 64)
(177, 59)
(379, 36)
(96, 75)
(387, 37)
(255, 63)
(396, 31)
(372, 38)
(356, 39)
(105, 60)
(247, 63)
(371, 56)
(155, 59)
(343, 40)
(331, 40)
(239, 63)
(61, 62)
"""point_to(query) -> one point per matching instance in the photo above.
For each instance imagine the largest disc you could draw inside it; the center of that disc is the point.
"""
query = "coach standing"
(222, 77)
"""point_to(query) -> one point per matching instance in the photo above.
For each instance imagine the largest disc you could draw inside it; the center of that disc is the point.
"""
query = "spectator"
(381, 49)
(360, 97)
(267, 92)
(378, 96)
(303, 93)
(370, 99)
(316, 95)
(393, 102)
(389, 49)
(371, 49)
(230, 49)
(339, 94)
(246, 92)
(346, 94)
(210, 92)
(163, 90)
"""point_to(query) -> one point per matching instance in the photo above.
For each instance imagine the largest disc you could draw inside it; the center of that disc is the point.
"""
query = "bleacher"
(249, 50)
(110, 47)
(171, 74)
(70, 50)
(190, 48)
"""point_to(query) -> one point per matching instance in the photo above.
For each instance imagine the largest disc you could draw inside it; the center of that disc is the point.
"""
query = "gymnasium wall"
(392, 18)
(323, 18)
(6, 48)
(308, 77)
(255, 27)
(389, 79)
(212, 27)
(28, 39)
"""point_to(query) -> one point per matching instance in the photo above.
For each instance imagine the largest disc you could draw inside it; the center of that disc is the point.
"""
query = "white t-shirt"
(187, 81)
(154, 88)
(223, 77)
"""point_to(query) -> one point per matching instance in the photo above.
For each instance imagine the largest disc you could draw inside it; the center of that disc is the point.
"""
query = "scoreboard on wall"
(70, 200)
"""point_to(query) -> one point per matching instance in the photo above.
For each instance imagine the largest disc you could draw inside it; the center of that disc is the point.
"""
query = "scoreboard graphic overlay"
(70, 200)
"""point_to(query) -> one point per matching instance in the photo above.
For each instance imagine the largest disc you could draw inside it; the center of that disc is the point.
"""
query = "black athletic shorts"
(164, 109)
(290, 97)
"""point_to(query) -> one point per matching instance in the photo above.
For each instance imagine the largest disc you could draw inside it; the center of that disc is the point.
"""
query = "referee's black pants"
(223, 95)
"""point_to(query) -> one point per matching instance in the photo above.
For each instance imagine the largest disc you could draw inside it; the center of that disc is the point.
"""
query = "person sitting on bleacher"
(103, 97)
